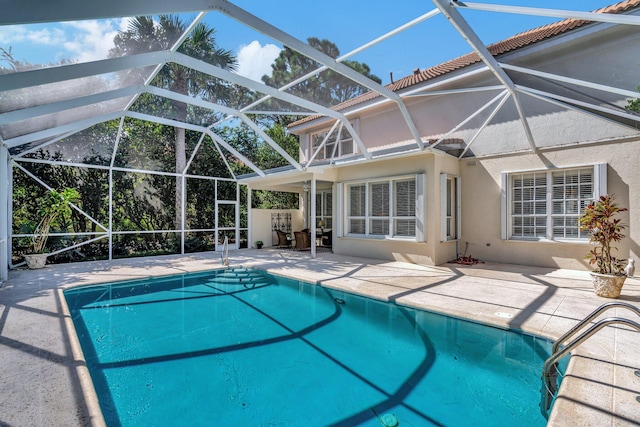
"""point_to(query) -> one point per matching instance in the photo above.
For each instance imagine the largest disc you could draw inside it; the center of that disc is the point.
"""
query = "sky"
(347, 23)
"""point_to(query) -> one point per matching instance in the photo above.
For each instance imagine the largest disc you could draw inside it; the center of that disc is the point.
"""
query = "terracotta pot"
(35, 261)
(607, 285)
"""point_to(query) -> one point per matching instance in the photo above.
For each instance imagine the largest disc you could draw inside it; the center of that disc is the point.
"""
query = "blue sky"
(348, 23)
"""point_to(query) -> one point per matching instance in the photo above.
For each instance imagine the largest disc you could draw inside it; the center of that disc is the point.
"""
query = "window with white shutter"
(379, 208)
(404, 215)
(547, 204)
(323, 209)
(383, 208)
(450, 199)
(356, 209)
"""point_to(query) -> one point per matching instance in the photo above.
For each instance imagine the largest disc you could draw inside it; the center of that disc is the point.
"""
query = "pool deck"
(43, 380)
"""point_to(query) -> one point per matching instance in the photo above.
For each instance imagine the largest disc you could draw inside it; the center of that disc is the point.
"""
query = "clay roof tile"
(512, 43)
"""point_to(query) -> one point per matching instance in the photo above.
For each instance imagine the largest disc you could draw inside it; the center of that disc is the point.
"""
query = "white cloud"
(91, 40)
(254, 60)
(77, 41)
(22, 34)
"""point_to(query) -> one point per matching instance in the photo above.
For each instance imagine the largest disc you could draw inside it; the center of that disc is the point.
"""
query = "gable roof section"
(510, 44)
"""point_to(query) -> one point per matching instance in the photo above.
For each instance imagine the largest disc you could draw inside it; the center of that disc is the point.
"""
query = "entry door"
(226, 224)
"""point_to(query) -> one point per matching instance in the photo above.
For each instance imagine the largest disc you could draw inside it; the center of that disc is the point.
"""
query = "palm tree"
(143, 35)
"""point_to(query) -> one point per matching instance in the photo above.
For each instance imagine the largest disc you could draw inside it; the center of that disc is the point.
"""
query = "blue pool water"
(244, 348)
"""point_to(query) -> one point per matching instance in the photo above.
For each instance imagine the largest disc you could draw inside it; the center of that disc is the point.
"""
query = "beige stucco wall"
(567, 138)
(261, 225)
(445, 251)
(430, 252)
(481, 206)
(481, 209)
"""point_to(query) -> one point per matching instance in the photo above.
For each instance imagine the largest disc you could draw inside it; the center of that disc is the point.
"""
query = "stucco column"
(5, 208)
(249, 223)
(312, 216)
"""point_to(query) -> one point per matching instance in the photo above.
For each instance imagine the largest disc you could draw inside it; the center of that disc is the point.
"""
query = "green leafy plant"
(50, 207)
(600, 221)
(259, 242)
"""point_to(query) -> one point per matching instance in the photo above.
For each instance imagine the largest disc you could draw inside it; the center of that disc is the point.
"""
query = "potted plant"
(50, 207)
(259, 244)
(600, 220)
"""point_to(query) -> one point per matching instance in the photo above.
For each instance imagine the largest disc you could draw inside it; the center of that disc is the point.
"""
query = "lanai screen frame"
(19, 11)
(109, 233)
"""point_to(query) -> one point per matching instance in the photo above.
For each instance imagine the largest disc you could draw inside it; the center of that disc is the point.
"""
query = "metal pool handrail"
(224, 254)
(550, 367)
(596, 312)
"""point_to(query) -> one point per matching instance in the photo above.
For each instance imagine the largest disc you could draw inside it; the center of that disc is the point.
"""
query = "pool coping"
(599, 389)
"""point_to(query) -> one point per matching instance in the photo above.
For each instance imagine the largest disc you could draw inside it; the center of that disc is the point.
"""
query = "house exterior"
(504, 155)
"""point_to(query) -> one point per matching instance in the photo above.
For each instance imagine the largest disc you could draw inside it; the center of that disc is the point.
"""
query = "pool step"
(239, 276)
(238, 280)
(232, 274)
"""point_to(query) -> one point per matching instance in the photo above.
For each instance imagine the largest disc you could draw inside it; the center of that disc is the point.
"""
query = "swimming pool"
(241, 347)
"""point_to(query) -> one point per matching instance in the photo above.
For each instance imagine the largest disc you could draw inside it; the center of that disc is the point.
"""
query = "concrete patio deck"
(43, 380)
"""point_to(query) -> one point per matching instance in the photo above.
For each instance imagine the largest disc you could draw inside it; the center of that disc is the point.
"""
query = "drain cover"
(389, 420)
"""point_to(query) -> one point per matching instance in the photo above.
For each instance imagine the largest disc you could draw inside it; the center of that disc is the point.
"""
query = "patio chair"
(284, 240)
(303, 240)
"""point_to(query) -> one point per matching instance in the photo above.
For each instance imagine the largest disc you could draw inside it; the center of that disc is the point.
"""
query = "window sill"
(381, 238)
(549, 241)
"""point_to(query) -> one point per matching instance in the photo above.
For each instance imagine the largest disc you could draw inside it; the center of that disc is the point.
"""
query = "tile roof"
(512, 43)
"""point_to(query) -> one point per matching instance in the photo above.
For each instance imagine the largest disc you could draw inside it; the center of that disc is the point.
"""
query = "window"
(323, 209)
(404, 216)
(450, 205)
(529, 205)
(547, 204)
(383, 208)
(338, 143)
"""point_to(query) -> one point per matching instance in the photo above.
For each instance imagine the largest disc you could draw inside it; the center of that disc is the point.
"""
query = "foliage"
(600, 221)
(634, 104)
(274, 200)
(92, 188)
(247, 143)
(327, 88)
(289, 142)
(11, 64)
(148, 202)
(258, 151)
(52, 205)
(143, 35)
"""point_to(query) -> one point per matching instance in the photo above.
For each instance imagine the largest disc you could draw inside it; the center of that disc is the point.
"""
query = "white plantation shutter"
(357, 200)
(600, 180)
(458, 210)
(405, 198)
(357, 209)
(380, 199)
(405, 208)
(504, 207)
(420, 207)
(340, 212)
(443, 207)
(379, 208)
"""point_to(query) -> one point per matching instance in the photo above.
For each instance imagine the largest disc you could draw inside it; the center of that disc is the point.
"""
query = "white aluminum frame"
(20, 11)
